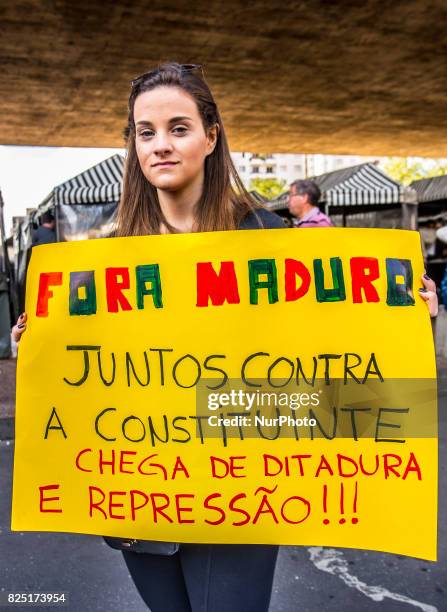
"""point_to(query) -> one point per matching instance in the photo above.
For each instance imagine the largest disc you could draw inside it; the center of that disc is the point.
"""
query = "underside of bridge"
(315, 76)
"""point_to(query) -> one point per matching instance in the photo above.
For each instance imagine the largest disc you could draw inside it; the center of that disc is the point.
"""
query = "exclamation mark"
(326, 521)
(342, 520)
(342, 504)
(354, 519)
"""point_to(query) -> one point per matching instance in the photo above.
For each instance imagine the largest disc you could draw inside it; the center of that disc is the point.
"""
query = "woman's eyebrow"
(175, 119)
(172, 120)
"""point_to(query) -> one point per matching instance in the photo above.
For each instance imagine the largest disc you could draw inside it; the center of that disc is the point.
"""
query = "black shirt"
(262, 219)
(43, 235)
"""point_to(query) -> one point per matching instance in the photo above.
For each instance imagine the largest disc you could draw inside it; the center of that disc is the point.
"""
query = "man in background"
(45, 233)
(303, 204)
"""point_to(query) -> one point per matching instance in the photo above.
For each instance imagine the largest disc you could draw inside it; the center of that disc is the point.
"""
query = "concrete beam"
(289, 76)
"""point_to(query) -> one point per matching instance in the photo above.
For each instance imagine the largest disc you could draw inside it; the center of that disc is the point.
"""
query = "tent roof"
(100, 183)
(431, 189)
(279, 203)
(361, 186)
(336, 177)
(96, 185)
(357, 186)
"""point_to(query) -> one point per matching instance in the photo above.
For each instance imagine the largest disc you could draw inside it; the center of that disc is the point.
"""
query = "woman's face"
(170, 139)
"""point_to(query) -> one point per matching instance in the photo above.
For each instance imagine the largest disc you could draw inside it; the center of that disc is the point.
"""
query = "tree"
(405, 170)
(270, 188)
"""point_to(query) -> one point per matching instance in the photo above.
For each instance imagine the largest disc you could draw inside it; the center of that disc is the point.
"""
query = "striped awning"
(431, 189)
(99, 184)
(363, 187)
(358, 186)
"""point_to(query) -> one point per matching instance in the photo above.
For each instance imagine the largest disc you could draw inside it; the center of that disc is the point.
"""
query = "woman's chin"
(167, 184)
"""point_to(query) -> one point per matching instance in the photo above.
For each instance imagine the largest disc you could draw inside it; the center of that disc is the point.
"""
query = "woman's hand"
(429, 295)
(19, 327)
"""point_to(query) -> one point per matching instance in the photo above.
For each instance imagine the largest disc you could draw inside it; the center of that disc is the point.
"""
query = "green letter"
(338, 293)
(256, 267)
(82, 282)
(148, 274)
(399, 275)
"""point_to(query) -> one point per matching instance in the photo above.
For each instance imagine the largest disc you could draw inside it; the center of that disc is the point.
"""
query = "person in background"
(303, 204)
(45, 233)
(441, 236)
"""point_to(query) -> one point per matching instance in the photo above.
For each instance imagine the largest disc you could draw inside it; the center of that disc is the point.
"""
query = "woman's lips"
(165, 165)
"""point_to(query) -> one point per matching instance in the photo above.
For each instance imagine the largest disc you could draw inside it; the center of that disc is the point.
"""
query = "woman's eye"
(146, 133)
(180, 129)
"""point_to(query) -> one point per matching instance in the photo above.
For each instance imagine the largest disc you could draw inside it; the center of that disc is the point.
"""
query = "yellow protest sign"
(264, 386)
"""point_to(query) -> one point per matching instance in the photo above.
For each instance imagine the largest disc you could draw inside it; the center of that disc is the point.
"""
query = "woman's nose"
(162, 144)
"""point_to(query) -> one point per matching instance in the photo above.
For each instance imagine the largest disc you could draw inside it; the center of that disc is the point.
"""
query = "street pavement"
(307, 579)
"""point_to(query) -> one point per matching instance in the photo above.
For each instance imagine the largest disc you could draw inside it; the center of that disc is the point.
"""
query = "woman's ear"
(212, 135)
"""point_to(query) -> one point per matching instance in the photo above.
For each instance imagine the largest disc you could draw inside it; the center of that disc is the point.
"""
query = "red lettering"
(143, 462)
(216, 461)
(364, 270)
(46, 279)
(133, 506)
(146, 460)
(294, 268)
(233, 507)
(209, 506)
(179, 467)
(115, 504)
(300, 499)
(265, 508)
(159, 509)
(103, 461)
(117, 280)
(234, 466)
(229, 467)
(363, 469)
(78, 465)
(343, 459)
(323, 465)
(389, 466)
(96, 505)
(122, 462)
(218, 288)
(300, 463)
(267, 460)
(181, 509)
(43, 499)
(412, 466)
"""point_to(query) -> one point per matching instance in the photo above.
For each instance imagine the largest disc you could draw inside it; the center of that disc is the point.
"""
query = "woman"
(179, 177)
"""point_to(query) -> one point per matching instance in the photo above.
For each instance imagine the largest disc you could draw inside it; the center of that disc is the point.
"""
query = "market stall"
(83, 207)
(432, 216)
(361, 196)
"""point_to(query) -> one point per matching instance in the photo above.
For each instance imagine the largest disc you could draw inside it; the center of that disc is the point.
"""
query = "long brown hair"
(224, 201)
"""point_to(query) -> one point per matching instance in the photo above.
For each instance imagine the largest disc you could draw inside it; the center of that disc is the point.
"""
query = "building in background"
(289, 167)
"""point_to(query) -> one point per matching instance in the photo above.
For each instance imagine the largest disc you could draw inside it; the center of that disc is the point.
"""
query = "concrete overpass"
(290, 76)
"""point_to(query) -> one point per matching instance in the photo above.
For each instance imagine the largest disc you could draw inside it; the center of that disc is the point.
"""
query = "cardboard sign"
(262, 386)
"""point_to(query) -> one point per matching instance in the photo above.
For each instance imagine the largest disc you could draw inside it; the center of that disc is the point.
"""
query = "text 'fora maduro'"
(288, 280)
